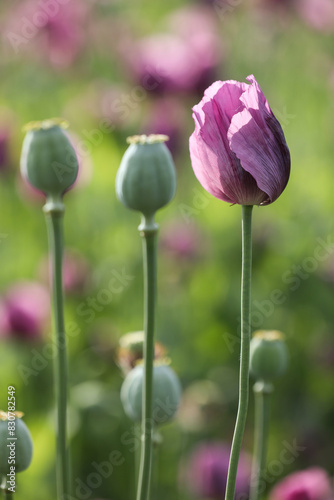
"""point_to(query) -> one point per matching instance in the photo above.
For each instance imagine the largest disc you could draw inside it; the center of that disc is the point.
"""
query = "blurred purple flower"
(76, 273)
(319, 14)
(56, 29)
(238, 150)
(182, 241)
(24, 311)
(205, 473)
(182, 60)
(309, 484)
(167, 117)
(4, 153)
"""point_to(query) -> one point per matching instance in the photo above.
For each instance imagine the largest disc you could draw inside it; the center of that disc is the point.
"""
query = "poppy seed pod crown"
(268, 355)
(146, 179)
(48, 159)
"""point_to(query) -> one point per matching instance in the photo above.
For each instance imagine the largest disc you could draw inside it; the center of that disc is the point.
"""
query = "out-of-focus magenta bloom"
(167, 117)
(76, 274)
(319, 14)
(238, 150)
(205, 474)
(182, 240)
(310, 484)
(55, 29)
(181, 60)
(24, 311)
(4, 156)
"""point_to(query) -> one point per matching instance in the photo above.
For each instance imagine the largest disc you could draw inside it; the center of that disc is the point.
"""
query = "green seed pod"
(14, 452)
(48, 160)
(268, 355)
(166, 393)
(146, 179)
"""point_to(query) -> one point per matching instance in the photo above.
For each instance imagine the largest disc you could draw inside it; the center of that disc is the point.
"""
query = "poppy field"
(248, 199)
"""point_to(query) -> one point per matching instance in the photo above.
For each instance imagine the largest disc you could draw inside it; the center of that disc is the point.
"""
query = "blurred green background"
(86, 61)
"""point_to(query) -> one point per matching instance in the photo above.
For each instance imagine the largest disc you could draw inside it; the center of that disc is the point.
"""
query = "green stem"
(262, 393)
(244, 351)
(54, 217)
(8, 495)
(148, 230)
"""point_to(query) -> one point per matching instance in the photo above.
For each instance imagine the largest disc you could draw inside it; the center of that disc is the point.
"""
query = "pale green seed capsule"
(146, 178)
(48, 159)
(16, 452)
(268, 355)
(166, 393)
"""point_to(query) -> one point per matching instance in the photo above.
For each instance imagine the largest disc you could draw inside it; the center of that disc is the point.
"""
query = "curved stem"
(148, 231)
(244, 351)
(262, 414)
(54, 219)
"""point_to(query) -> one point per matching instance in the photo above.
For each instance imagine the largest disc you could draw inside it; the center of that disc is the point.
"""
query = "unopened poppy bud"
(166, 393)
(268, 355)
(15, 443)
(146, 179)
(48, 160)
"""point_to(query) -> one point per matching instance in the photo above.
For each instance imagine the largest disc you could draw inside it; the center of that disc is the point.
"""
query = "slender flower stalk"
(49, 164)
(7, 495)
(54, 218)
(262, 392)
(146, 182)
(244, 351)
(148, 231)
(239, 155)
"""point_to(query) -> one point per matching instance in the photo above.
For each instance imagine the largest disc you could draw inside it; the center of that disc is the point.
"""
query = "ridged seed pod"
(166, 393)
(48, 160)
(146, 179)
(268, 355)
(16, 452)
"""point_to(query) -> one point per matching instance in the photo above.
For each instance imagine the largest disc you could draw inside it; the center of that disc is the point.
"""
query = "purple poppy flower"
(205, 474)
(24, 311)
(238, 150)
(4, 137)
(167, 117)
(180, 60)
(55, 29)
(182, 241)
(318, 14)
(76, 272)
(309, 484)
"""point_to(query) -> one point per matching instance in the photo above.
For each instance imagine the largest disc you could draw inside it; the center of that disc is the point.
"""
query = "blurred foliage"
(198, 306)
